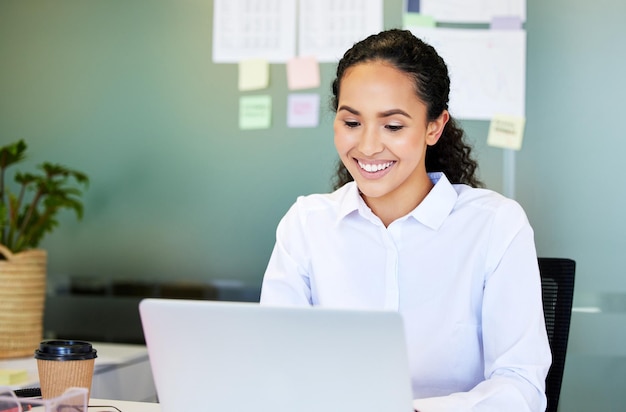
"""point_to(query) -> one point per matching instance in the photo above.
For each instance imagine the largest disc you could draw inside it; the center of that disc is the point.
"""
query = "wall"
(568, 180)
(127, 92)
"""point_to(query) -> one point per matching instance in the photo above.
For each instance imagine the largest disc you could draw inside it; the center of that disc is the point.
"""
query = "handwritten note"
(303, 110)
(255, 112)
(506, 132)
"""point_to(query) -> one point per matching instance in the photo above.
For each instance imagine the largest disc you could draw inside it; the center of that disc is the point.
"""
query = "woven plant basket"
(22, 297)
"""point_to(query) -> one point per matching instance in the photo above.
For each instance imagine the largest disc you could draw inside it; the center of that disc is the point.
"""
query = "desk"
(124, 406)
(595, 366)
(121, 372)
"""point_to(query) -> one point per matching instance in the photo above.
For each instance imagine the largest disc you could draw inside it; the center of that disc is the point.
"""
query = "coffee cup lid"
(55, 349)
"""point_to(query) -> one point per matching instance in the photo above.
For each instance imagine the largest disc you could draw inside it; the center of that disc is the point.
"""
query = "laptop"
(218, 356)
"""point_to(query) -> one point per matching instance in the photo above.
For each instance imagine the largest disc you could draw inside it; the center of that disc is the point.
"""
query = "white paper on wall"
(327, 28)
(487, 69)
(472, 11)
(249, 29)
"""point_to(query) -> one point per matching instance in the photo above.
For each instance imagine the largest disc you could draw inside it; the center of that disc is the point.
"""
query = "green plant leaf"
(12, 153)
(27, 216)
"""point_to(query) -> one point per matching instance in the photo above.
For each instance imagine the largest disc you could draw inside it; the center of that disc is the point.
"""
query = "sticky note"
(13, 376)
(254, 74)
(255, 112)
(506, 132)
(413, 5)
(303, 110)
(303, 73)
(506, 23)
(417, 20)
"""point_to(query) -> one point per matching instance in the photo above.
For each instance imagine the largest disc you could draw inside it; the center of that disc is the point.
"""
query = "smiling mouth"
(374, 167)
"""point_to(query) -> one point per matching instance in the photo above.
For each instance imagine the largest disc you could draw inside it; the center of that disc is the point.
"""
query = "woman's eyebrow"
(349, 109)
(393, 112)
(386, 113)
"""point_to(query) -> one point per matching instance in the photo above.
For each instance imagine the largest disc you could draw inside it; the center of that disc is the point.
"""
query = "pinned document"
(471, 11)
(506, 132)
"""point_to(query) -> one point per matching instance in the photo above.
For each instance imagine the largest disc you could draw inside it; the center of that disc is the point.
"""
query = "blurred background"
(184, 204)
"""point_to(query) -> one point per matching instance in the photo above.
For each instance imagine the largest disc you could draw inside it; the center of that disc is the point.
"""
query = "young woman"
(409, 229)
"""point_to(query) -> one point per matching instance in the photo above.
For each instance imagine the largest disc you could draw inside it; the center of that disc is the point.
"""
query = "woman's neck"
(399, 202)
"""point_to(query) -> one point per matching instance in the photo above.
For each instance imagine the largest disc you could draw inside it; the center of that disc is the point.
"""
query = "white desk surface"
(124, 406)
(109, 355)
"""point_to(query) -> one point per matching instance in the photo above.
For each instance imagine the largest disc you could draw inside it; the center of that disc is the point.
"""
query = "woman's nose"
(369, 142)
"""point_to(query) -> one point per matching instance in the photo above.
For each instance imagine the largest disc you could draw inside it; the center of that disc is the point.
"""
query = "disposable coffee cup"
(63, 364)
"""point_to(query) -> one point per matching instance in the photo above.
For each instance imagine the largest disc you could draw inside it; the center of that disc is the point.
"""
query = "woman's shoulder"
(318, 209)
(487, 200)
(326, 200)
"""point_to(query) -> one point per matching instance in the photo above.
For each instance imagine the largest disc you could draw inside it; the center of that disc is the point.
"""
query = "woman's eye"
(351, 124)
(394, 127)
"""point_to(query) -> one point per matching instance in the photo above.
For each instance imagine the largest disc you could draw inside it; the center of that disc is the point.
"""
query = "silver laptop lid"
(235, 356)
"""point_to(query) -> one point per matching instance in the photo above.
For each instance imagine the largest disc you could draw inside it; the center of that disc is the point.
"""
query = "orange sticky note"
(303, 73)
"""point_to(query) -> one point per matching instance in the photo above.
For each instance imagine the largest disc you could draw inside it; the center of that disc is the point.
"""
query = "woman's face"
(382, 131)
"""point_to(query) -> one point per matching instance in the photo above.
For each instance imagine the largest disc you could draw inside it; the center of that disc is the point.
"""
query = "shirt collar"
(431, 212)
(350, 200)
(438, 203)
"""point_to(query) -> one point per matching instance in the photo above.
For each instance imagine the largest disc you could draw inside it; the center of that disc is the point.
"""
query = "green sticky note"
(417, 20)
(255, 112)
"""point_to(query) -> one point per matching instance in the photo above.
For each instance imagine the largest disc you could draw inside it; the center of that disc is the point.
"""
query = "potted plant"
(27, 214)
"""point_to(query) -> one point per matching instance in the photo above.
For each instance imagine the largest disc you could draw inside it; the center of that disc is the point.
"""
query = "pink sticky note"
(303, 110)
(303, 73)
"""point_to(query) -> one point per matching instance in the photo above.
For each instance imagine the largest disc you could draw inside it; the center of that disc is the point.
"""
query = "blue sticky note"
(413, 6)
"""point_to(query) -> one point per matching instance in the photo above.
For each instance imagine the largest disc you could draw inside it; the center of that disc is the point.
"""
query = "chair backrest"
(557, 283)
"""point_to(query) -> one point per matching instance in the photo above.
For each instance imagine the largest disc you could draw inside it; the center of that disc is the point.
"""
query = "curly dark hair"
(451, 154)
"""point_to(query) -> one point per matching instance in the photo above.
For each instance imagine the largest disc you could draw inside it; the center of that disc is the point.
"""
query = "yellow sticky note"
(303, 73)
(506, 132)
(254, 74)
(13, 376)
(255, 112)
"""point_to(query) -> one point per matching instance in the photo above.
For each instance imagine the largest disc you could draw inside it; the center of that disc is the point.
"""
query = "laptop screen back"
(235, 356)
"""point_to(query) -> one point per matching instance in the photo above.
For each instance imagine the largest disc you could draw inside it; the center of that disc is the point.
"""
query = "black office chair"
(557, 284)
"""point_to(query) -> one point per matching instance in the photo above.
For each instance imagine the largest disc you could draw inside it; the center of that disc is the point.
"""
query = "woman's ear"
(435, 128)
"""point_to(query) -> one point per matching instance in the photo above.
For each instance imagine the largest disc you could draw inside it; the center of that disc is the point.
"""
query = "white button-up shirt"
(462, 270)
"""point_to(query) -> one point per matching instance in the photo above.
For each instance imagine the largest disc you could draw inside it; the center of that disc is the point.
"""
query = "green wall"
(126, 91)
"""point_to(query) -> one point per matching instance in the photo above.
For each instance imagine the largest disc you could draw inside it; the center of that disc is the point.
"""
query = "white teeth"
(374, 168)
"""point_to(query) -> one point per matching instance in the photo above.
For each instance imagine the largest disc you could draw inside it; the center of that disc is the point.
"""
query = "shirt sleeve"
(286, 281)
(516, 350)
